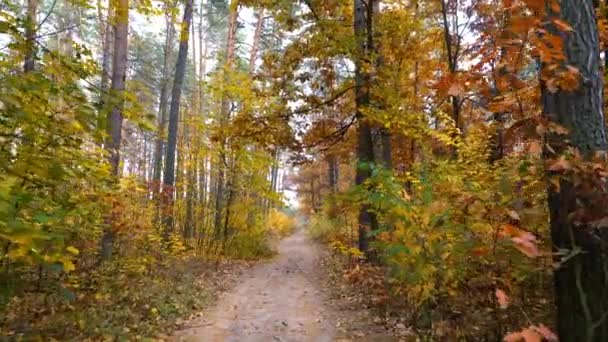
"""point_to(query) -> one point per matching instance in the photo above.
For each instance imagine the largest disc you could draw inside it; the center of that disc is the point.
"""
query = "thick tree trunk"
(365, 144)
(114, 120)
(382, 137)
(180, 71)
(119, 73)
(581, 282)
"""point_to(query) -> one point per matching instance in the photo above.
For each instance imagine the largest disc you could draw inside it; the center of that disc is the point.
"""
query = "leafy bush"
(458, 227)
(252, 243)
(280, 223)
(323, 229)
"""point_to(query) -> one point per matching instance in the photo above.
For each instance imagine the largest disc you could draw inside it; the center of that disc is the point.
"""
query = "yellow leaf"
(68, 265)
(73, 250)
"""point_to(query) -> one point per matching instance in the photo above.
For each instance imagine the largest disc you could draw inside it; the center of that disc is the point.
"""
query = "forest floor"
(284, 299)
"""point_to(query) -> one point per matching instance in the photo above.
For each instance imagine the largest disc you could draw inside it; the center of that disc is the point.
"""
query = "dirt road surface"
(276, 301)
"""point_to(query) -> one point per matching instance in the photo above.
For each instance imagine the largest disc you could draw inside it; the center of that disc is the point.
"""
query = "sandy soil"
(281, 300)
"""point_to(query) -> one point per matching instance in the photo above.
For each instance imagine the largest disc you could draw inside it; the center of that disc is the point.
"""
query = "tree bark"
(114, 120)
(259, 26)
(106, 35)
(382, 137)
(224, 117)
(30, 36)
(453, 54)
(180, 71)
(191, 144)
(162, 106)
(365, 144)
(581, 282)
(332, 172)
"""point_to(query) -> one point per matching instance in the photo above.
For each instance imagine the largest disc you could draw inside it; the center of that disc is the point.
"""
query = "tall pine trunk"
(191, 166)
(114, 120)
(180, 71)
(581, 282)
(162, 105)
(225, 117)
(257, 35)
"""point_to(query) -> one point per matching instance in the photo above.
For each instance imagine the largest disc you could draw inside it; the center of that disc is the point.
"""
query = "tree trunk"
(191, 156)
(581, 282)
(180, 71)
(114, 120)
(30, 36)
(383, 135)
(259, 26)
(253, 55)
(453, 54)
(202, 58)
(106, 35)
(224, 117)
(274, 169)
(332, 172)
(162, 106)
(365, 145)
(203, 174)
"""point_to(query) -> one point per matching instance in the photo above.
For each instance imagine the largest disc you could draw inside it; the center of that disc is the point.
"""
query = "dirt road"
(277, 301)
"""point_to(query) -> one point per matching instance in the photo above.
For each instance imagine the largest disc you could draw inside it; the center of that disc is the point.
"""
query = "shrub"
(248, 244)
(280, 223)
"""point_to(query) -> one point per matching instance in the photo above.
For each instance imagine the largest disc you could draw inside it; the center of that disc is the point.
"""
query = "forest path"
(281, 300)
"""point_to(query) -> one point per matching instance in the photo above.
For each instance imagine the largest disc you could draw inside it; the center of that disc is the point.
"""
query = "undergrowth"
(111, 303)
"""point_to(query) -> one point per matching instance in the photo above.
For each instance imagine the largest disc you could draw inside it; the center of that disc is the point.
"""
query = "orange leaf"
(560, 165)
(562, 25)
(546, 333)
(455, 90)
(535, 148)
(526, 335)
(526, 245)
(480, 251)
(513, 337)
(509, 230)
(530, 335)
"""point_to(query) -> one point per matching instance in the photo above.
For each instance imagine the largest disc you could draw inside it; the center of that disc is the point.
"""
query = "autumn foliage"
(450, 153)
